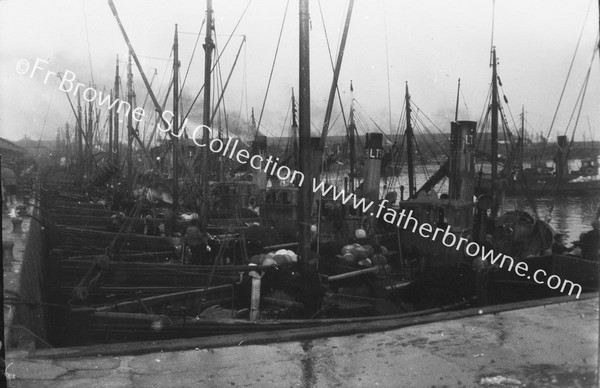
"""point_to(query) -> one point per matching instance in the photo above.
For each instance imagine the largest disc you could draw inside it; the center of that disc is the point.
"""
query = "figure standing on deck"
(590, 242)
(196, 238)
(558, 246)
(170, 220)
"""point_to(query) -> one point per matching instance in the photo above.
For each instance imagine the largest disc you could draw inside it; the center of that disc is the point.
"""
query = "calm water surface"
(571, 215)
(568, 215)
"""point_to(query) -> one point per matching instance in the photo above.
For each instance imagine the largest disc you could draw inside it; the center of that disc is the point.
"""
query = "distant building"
(36, 148)
(13, 156)
(10, 150)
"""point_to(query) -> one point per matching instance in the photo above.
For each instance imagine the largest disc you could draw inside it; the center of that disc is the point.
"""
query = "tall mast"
(304, 130)
(409, 147)
(259, 147)
(457, 99)
(58, 146)
(157, 105)
(175, 139)
(208, 47)
(84, 135)
(294, 135)
(494, 148)
(110, 130)
(598, 217)
(68, 146)
(79, 132)
(522, 135)
(334, 83)
(351, 148)
(221, 161)
(89, 136)
(116, 114)
(130, 96)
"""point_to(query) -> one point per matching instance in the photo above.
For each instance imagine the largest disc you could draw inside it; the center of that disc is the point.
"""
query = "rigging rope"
(332, 65)
(224, 87)
(272, 67)
(87, 37)
(566, 81)
(216, 61)
(387, 65)
(582, 95)
(493, 22)
(428, 146)
(192, 57)
(373, 121)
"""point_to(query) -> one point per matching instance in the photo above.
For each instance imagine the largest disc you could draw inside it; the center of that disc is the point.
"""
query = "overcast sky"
(429, 44)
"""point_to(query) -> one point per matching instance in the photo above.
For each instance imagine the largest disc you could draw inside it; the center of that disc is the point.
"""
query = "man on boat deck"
(196, 238)
(169, 219)
(558, 245)
(590, 242)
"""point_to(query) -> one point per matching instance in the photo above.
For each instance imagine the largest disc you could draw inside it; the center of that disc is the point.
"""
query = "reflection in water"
(568, 215)
(571, 215)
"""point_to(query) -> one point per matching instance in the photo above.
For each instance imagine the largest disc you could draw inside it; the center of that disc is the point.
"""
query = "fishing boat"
(559, 181)
(110, 277)
(120, 279)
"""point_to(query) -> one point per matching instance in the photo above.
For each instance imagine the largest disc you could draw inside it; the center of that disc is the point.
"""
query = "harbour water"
(568, 215)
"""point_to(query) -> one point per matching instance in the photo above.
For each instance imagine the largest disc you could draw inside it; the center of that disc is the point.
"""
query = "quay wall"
(33, 316)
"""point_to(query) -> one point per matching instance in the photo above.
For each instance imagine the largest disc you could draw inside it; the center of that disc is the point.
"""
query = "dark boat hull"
(506, 286)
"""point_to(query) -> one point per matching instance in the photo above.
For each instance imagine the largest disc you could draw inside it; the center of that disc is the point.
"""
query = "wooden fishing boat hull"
(110, 326)
(506, 286)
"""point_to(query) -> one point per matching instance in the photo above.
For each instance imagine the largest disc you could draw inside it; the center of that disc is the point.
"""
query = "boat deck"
(551, 345)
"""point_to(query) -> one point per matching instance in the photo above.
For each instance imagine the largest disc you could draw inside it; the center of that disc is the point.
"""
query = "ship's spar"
(158, 107)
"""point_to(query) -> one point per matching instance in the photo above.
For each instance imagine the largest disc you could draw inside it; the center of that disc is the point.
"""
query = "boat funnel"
(562, 167)
(373, 155)
(259, 147)
(462, 167)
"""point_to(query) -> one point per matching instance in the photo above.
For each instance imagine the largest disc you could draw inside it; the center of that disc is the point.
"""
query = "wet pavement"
(554, 345)
(12, 268)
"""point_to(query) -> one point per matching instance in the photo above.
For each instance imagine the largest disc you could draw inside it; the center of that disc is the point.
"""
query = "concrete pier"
(550, 346)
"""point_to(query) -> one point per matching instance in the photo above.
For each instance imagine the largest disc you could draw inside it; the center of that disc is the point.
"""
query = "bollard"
(7, 253)
(255, 297)
(16, 221)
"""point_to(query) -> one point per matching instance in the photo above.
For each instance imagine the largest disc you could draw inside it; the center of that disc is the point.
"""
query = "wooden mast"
(294, 135)
(494, 148)
(332, 90)
(598, 217)
(130, 96)
(157, 105)
(110, 130)
(116, 115)
(351, 147)
(522, 150)
(175, 139)
(78, 136)
(208, 47)
(409, 148)
(304, 131)
(68, 146)
(457, 99)
(84, 136)
(89, 137)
